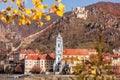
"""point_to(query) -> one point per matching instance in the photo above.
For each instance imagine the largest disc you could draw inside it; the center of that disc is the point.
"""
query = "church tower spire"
(58, 52)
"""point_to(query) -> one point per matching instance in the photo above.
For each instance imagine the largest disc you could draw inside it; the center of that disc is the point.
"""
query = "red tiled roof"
(113, 55)
(92, 50)
(67, 58)
(52, 55)
(40, 56)
(32, 57)
(76, 52)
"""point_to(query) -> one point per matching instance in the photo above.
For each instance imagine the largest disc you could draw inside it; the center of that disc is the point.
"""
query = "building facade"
(43, 61)
(72, 57)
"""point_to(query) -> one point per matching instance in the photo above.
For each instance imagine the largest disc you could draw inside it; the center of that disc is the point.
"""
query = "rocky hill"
(76, 32)
(11, 35)
(80, 33)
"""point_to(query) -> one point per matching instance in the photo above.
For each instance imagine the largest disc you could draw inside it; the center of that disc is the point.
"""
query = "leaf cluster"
(26, 15)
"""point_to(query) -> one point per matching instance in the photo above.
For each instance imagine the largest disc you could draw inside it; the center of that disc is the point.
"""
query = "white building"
(43, 61)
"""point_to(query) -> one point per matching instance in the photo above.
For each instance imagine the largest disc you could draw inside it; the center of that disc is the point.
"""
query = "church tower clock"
(58, 52)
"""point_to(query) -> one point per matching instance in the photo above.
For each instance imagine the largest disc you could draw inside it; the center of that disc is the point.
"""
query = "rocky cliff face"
(106, 13)
(9, 37)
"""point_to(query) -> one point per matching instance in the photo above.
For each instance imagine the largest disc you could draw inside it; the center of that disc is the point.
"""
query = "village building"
(20, 55)
(72, 57)
(43, 61)
(56, 62)
(115, 63)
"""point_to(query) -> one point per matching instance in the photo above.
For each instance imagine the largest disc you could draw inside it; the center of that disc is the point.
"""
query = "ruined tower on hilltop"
(80, 12)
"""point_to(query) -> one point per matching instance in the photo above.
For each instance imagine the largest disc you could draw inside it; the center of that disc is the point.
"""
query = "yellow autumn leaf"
(30, 17)
(28, 11)
(28, 22)
(10, 20)
(46, 6)
(40, 24)
(53, 7)
(18, 2)
(23, 21)
(58, 0)
(23, 16)
(37, 16)
(40, 0)
(34, 2)
(16, 11)
(93, 72)
(59, 13)
(3, 10)
(3, 19)
(34, 17)
(9, 14)
(40, 7)
(61, 7)
(9, 8)
(33, 10)
(23, 9)
(47, 18)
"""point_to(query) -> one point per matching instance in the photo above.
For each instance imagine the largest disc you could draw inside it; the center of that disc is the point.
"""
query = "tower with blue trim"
(58, 53)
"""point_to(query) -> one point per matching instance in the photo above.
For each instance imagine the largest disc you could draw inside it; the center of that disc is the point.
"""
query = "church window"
(58, 45)
(58, 51)
(58, 58)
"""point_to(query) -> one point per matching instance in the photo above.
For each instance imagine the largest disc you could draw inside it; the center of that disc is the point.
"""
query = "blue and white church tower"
(58, 53)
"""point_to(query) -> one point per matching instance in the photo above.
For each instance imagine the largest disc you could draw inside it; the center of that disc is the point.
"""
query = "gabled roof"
(32, 57)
